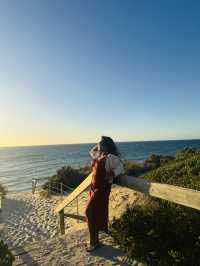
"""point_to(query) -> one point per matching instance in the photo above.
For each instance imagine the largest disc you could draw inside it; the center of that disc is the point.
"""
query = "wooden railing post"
(77, 207)
(34, 184)
(62, 222)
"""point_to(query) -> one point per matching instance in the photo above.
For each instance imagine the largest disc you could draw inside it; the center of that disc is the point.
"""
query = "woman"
(105, 166)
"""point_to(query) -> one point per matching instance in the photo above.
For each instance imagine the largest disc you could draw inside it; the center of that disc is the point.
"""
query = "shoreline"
(93, 143)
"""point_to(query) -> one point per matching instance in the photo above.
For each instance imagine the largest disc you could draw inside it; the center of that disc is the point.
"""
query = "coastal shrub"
(133, 168)
(181, 172)
(72, 177)
(6, 257)
(68, 176)
(185, 153)
(160, 232)
(152, 162)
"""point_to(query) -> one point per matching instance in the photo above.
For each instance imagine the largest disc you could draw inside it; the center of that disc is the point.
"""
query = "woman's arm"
(94, 152)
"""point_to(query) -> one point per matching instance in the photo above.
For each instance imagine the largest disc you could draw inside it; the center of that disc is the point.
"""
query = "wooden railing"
(74, 195)
(182, 196)
(55, 187)
(77, 191)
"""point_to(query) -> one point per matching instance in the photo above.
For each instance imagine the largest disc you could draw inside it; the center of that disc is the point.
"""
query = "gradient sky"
(71, 71)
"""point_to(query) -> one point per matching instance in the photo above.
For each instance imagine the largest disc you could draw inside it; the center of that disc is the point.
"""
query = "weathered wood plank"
(183, 196)
(84, 185)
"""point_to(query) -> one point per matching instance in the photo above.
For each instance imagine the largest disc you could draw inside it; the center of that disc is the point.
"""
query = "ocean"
(19, 165)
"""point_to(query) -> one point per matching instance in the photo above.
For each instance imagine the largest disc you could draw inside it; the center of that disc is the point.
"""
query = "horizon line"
(81, 143)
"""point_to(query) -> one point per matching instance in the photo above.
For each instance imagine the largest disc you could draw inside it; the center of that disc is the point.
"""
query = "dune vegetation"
(68, 176)
(6, 257)
(72, 177)
(160, 232)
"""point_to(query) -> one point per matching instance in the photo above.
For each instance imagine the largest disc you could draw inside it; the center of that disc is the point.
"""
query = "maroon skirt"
(99, 193)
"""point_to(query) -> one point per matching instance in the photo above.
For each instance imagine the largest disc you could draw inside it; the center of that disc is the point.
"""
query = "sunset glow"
(70, 73)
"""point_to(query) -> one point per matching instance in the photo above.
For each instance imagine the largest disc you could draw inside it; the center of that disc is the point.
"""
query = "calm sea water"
(18, 165)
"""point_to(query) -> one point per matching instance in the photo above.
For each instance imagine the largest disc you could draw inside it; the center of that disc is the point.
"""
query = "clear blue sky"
(71, 71)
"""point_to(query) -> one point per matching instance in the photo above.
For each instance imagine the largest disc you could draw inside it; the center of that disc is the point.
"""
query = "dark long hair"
(109, 145)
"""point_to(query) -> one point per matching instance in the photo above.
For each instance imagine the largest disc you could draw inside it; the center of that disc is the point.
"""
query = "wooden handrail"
(60, 183)
(72, 196)
(183, 196)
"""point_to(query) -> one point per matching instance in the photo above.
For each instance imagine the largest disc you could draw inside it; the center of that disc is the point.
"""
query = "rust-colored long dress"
(99, 196)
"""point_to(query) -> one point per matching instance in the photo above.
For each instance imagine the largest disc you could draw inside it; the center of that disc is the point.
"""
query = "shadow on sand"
(112, 254)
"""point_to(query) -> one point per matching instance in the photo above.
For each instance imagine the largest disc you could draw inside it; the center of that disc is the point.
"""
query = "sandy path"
(70, 250)
(28, 219)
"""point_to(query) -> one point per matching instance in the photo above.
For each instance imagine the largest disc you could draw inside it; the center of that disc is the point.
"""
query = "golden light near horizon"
(60, 87)
(14, 139)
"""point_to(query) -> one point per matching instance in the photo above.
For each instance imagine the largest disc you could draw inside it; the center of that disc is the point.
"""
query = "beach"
(28, 221)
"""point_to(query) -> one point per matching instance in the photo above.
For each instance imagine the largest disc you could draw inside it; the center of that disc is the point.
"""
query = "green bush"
(183, 171)
(6, 257)
(133, 168)
(68, 176)
(160, 232)
(153, 161)
(72, 177)
(186, 153)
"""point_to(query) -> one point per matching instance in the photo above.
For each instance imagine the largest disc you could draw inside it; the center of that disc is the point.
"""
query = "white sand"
(70, 250)
(28, 220)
